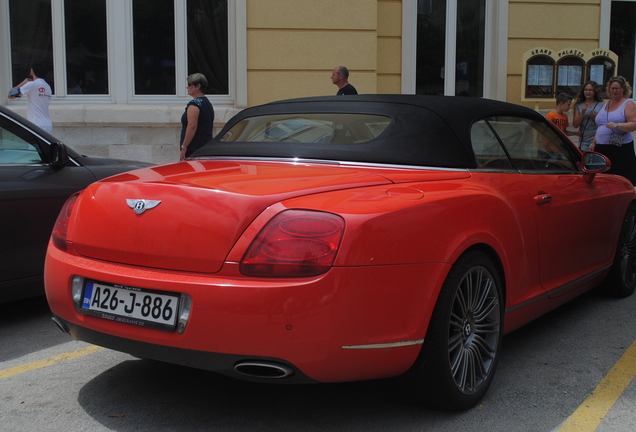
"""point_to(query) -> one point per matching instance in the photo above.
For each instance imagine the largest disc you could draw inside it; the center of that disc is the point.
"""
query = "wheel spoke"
(484, 348)
(487, 306)
(460, 300)
(481, 294)
(488, 327)
(456, 321)
(457, 360)
(469, 370)
(628, 269)
(470, 381)
(454, 343)
(460, 371)
(628, 236)
(474, 280)
(479, 366)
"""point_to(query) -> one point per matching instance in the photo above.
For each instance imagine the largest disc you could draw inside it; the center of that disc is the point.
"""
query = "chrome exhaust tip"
(60, 324)
(259, 369)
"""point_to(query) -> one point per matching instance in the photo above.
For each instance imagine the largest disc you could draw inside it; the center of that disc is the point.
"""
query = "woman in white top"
(616, 121)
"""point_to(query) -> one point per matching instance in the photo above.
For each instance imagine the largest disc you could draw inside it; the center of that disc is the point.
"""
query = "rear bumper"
(346, 325)
(216, 362)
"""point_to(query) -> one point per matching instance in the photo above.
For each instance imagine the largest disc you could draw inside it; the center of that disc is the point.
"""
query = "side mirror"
(59, 154)
(595, 162)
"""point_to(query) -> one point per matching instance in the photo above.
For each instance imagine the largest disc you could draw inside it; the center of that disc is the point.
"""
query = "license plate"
(137, 306)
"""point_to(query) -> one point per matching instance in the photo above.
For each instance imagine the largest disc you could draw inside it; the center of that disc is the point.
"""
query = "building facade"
(118, 68)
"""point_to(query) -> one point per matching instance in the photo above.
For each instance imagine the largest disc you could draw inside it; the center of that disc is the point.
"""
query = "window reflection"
(86, 47)
(309, 128)
(623, 38)
(154, 52)
(471, 24)
(208, 42)
(431, 42)
(31, 38)
(14, 149)
(530, 145)
(470, 21)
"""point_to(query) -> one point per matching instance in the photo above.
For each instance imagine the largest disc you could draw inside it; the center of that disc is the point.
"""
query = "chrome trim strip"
(74, 161)
(559, 289)
(330, 162)
(384, 345)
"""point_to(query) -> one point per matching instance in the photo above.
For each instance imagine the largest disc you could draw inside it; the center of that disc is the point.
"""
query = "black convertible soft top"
(424, 130)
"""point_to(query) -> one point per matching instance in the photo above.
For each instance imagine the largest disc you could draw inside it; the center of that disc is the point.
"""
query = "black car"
(37, 174)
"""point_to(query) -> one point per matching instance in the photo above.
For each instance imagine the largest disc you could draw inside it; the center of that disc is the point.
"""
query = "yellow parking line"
(17, 370)
(592, 411)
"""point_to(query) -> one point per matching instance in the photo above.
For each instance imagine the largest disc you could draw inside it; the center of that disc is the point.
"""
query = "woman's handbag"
(616, 138)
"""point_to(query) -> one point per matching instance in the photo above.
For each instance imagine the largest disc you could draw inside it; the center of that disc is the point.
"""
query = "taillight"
(296, 243)
(60, 230)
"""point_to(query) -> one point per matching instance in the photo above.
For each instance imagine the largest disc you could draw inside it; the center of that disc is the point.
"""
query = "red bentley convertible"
(337, 239)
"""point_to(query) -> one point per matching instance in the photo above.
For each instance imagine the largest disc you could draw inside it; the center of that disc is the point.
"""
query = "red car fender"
(385, 230)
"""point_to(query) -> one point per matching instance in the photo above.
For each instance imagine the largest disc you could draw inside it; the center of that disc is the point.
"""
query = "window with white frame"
(455, 47)
(81, 58)
(466, 19)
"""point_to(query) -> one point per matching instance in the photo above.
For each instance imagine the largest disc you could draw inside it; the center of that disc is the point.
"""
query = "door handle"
(542, 199)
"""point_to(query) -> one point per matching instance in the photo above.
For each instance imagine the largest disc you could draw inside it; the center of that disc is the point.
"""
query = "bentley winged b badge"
(141, 205)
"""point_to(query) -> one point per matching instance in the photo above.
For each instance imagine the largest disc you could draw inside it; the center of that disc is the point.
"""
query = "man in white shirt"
(38, 94)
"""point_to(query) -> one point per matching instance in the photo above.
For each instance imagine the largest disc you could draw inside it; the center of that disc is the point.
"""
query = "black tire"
(461, 350)
(622, 277)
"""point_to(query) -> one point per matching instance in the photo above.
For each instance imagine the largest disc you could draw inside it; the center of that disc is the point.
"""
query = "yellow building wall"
(294, 45)
(389, 46)
(550, 24)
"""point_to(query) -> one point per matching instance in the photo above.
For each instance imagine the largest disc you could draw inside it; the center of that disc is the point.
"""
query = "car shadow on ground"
(167, 397)
(26, 327)
(148, 395)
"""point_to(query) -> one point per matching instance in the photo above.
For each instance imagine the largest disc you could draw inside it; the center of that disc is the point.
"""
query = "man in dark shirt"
(339, 77)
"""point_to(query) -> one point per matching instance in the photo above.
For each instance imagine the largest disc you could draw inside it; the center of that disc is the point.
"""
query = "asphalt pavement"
(571, 370)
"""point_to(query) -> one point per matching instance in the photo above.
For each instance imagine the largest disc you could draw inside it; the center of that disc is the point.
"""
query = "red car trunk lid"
(204, 207)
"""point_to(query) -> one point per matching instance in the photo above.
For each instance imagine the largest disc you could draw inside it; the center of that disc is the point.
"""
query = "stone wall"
(148, 133)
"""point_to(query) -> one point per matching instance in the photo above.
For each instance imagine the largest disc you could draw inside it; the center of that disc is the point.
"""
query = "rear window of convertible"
(308, 128)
